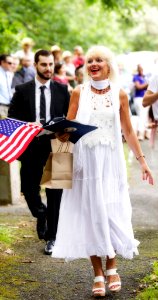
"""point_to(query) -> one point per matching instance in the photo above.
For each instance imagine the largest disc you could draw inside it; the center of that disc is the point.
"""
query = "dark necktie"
(42, 105)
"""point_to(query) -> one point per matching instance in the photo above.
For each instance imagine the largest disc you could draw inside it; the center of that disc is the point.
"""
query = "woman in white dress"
(95, 215)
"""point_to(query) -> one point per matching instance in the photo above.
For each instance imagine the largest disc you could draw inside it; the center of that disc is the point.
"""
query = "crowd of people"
(17, 68)
(93, 219)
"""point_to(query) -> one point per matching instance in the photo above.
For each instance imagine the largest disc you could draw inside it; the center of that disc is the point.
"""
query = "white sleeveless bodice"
(102, 116)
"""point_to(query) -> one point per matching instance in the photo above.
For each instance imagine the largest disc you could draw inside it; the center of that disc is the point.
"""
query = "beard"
(43, 76)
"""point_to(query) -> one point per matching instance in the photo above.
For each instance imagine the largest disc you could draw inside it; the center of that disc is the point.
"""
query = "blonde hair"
(107, 55)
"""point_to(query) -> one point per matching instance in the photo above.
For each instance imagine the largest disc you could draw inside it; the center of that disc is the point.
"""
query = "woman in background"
(60, 75)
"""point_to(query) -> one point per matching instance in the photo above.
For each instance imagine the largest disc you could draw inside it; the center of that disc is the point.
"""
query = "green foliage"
(69, 23)
(121, 6)
(151, 283)
(143, 41)
(54, 22)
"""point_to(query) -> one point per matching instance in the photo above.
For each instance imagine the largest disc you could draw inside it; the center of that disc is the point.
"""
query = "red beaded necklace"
(103, 91)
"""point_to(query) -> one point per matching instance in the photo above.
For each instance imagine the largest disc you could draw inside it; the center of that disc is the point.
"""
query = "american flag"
(15, 136)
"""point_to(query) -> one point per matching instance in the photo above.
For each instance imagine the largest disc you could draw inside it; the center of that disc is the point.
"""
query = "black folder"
(61, 125)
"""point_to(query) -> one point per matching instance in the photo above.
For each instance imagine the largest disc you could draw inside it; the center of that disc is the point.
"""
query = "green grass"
(150, 284)
(13, 229)
(7, 235)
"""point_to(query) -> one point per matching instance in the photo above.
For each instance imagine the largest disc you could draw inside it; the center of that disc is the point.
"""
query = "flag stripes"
(15, 136)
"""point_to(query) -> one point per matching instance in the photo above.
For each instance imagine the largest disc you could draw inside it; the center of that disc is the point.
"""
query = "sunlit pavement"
(144, 197)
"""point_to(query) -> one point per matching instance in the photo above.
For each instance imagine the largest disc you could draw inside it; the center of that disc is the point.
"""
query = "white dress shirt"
(5, 86)
(153, 87)
(47, 93)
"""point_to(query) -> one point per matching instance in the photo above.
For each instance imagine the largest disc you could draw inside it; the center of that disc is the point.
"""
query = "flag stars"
(7, 126)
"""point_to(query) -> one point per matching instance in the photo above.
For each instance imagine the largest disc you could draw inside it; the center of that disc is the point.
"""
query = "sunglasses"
(9, 62)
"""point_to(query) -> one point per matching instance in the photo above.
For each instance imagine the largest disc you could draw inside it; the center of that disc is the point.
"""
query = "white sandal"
(113, 286)
(100, 291)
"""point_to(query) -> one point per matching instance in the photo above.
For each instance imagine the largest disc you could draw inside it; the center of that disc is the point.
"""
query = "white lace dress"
(95, 215)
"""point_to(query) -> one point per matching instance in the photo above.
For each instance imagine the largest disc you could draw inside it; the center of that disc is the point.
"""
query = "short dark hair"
(77, 69)
(58, 67)
(42, 53)
(3, 57)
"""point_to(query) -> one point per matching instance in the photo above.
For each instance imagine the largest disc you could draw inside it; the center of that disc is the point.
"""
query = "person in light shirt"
(151, 96)
(6, 76)
(26, 49)
(150, 100)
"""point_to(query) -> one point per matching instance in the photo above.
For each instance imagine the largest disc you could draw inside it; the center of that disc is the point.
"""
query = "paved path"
(49, 279)
(144, 197)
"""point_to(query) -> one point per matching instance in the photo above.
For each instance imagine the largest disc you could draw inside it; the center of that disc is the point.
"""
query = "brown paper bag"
(57, 173)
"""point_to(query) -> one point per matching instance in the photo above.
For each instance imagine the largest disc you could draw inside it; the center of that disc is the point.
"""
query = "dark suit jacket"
(22, 106)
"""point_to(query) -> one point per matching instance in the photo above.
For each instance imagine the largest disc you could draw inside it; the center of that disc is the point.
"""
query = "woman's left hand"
(62, 137)
(146, 174)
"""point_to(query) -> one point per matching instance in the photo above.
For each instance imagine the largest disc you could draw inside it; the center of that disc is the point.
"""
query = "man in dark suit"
(27, 105)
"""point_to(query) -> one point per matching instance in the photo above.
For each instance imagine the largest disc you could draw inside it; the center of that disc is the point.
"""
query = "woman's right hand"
(152, 125)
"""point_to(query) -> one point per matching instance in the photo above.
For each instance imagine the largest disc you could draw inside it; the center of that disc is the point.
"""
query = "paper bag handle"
(61, 147)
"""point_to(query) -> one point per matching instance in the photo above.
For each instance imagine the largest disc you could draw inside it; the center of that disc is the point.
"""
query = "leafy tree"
(123, 7)
(69, 23)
